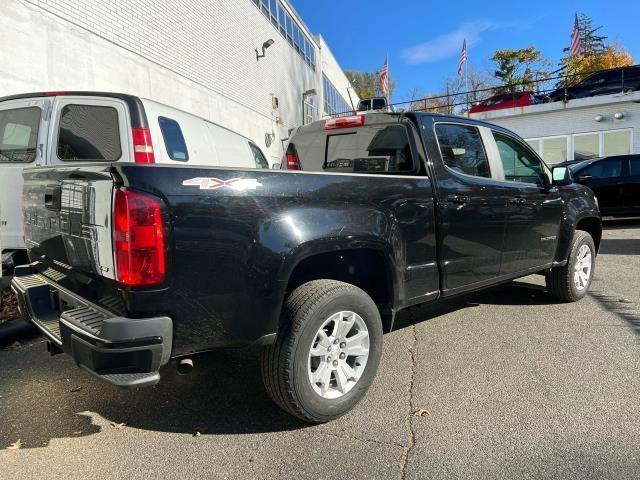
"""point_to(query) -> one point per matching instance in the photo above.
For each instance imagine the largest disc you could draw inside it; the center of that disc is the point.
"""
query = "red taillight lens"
(138, 235)
(292, 159)
(344, 122)
(142, 146)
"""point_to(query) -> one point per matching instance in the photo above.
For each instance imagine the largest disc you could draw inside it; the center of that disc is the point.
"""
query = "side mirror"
(561, 176)
(276, 166)
(583, 178)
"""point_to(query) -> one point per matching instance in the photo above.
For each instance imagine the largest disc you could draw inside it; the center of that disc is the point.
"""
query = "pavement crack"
(411, 436)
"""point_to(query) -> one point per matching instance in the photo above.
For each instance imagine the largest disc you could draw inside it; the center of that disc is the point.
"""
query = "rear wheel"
(327, 351)
(571, 282)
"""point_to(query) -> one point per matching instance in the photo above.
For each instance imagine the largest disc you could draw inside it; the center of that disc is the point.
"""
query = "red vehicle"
(505, 100)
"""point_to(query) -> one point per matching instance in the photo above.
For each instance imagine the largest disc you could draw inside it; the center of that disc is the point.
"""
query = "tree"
(519, 69)
(596, 54)
(367, 84)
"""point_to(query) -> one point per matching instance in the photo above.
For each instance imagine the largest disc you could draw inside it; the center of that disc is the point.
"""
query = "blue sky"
(423, 38)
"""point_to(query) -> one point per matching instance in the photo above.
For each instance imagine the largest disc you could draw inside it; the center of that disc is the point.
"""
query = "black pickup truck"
(134, 265)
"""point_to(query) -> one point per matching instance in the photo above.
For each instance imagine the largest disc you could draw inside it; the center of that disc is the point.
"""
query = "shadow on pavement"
(620, 223)
(620, 246)
(623, 308)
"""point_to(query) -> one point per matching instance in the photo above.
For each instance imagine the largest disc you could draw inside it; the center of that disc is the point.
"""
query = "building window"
(334, 103)
(586, 145)
(551, 149)
(277, 14)
(616, 143)
(310, 109)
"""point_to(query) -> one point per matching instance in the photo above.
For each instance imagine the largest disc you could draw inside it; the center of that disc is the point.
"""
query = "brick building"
(196, 55)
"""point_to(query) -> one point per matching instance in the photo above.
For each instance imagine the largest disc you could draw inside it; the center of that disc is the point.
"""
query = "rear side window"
(462, 149)
(19, 134)
(368, 149)
(173, 139)
(258, 157)
(89, 132)
(634, 167)
(604, 169)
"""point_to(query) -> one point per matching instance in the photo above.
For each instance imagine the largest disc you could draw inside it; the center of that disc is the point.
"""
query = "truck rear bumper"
(127, 352)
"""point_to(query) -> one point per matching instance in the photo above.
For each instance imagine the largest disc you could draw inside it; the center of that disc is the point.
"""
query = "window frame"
(164, 138)
(122, 119)
(491, 162)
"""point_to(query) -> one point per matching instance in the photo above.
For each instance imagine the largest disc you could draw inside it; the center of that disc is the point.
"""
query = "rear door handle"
(458, 199)
(517, 201)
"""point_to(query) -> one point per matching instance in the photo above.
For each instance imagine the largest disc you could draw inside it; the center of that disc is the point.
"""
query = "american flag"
(384, 78)
(575, 50)
(463, 57)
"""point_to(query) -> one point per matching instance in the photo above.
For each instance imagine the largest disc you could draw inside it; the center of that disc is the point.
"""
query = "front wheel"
(327, 351)
(571, 282)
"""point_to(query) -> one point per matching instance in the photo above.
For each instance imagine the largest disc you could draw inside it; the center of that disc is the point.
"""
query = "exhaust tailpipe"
(185, 366)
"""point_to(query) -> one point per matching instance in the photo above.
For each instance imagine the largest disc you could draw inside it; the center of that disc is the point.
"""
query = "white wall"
(196, 56)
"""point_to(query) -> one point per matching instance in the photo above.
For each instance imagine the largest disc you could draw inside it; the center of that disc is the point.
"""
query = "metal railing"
(461, 101)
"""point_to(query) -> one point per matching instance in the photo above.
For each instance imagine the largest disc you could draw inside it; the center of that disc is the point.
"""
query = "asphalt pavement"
(506, 383)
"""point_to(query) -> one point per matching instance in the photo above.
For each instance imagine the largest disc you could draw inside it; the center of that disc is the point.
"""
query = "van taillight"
(138, 235)
(142, 146)
(344, 122)
(292, 159)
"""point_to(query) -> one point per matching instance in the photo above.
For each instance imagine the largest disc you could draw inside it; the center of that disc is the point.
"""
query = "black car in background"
(615, 181)
(606, 82)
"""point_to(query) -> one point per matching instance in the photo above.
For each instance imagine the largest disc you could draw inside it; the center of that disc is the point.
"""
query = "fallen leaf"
(118, 426)
(79, 432)
(16, 445)
(421, 412)
(76, 389)
(197, 434)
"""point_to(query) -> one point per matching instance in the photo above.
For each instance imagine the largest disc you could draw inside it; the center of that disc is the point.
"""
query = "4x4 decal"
(212, 183)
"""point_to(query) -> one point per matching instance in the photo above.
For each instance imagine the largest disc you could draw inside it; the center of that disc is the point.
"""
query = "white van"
(64, 127)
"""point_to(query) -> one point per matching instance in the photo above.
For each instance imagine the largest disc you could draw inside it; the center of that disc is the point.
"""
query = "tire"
(288, 364)
(561, 281)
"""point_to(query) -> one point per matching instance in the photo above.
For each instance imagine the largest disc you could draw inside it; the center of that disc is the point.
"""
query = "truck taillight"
(344, 122)
(139, 240)
(292, 159)
(142, 146)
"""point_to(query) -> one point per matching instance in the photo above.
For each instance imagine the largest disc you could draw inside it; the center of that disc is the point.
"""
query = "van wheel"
(327, 351)
(571, 282)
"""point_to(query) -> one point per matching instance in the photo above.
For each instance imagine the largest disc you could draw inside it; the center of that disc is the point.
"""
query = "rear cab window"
(88, 132)
(173, 139)
(19, 134)
(462, 149)
(370, 149)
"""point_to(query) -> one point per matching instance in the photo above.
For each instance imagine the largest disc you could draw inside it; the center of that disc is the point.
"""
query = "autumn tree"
(596, 54)
(520, 69)
(367, 84)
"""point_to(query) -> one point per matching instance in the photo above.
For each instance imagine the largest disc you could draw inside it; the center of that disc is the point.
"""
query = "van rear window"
(173, 139)
(89, 132)
(370, 149)
(19, 134)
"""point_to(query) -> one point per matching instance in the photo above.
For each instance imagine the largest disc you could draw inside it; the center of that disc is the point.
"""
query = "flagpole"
(466, 79)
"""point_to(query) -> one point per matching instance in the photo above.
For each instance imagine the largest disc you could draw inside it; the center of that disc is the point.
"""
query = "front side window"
(381, 149)
(89, 132)
(634, 167)
(462, 149)
(258, 157)
(518, 163)
(173, 139)
(19, 134)
(609, 168)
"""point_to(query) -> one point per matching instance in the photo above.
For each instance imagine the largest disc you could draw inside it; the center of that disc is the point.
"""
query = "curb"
(15, 329)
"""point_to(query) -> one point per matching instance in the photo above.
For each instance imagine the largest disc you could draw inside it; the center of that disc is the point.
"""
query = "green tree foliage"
(517, 69)
(367, 84)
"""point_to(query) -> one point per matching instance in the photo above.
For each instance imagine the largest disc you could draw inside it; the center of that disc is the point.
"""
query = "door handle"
(458, 199)
(517, 201)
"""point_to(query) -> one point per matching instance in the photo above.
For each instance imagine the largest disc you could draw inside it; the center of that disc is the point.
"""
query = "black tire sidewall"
(313, 403)
(583, 239)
